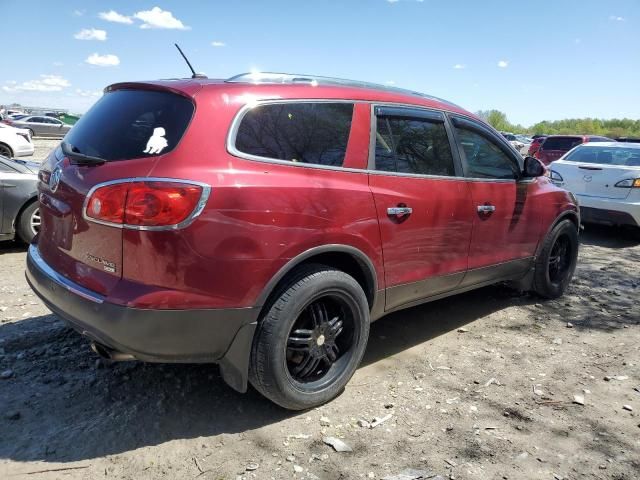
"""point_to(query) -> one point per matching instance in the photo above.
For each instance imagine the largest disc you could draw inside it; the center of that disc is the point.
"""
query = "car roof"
(283, 85)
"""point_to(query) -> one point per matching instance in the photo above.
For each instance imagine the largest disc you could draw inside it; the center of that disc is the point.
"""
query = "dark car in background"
(19, 209)
(555, 146)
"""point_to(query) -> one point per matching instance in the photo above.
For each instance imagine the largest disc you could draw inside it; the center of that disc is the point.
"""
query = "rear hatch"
(555, 147)
(594, 171)
(129, 130)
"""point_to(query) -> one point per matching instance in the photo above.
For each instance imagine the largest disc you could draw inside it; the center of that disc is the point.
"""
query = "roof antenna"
(195, 75)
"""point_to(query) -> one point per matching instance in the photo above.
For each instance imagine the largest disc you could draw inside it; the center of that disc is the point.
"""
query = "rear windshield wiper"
(80, 158)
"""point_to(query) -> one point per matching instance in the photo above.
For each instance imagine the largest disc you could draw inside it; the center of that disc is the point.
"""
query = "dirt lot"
(479, 386)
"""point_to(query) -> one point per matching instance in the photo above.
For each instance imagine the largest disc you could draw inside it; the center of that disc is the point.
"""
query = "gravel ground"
(478, 386)
(489, 384)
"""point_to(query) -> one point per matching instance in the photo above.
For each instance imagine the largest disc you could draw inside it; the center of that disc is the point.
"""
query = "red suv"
(263, 222)
(555, 146)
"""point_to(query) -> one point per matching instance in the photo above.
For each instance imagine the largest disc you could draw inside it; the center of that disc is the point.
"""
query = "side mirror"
(532, 168)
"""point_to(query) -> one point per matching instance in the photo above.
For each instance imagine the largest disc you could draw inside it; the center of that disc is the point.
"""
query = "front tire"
(5, 150)
(557, 260)
(311, 340)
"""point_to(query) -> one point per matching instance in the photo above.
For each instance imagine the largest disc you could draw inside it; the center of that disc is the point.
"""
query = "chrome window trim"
(237, 120)
(61, 280)
(235, 123)
(206, 191)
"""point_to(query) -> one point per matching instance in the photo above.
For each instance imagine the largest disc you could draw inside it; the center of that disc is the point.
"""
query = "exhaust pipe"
(110, 354)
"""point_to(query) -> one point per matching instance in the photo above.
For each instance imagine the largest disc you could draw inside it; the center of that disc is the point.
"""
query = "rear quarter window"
(299, 132)
(128, 124)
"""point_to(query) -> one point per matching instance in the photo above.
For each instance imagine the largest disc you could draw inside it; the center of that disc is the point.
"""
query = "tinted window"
(629, 157)
(561, 143)
(413, 145)
(126, 124)
(315, 133)
(485, 159)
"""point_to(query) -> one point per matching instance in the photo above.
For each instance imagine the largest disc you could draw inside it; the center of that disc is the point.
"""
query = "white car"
(605, 178)
(15, 142)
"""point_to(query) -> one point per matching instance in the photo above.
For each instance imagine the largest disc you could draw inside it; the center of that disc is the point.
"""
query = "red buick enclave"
(264, 221)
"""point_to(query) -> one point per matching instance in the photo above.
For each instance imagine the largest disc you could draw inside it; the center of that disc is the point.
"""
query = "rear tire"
(29, 222)
(557, 260)
(5, 150)
(32, 133)
(311, 340)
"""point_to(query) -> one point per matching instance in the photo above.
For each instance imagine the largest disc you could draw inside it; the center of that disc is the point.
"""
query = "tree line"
(624, 127)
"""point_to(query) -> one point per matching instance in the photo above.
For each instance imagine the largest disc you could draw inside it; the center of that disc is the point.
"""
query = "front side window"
(485, 159)
(413, 145)
(305, 132)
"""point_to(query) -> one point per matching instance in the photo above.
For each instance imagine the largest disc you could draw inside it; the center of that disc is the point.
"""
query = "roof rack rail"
(262, 78)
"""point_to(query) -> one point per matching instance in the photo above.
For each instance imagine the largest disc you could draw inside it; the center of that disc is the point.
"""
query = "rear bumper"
(609, 211)
(150, 335)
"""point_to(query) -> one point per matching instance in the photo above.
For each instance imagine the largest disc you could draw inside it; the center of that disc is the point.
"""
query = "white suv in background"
(605, 177)
(15, 142)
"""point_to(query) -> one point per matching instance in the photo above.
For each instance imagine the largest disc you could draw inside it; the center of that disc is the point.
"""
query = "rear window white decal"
(156, 142)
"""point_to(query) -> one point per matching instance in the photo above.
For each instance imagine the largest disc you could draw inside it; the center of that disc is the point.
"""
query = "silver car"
(19, 207)
(41, 126)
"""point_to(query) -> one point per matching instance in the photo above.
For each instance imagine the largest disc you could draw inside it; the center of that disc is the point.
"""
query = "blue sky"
(533, 60)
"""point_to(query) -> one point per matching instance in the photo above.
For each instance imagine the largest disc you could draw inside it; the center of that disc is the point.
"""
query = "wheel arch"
(342, 257)
(572, 215)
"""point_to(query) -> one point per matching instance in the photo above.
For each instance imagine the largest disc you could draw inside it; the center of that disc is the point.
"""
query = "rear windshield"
(561, 143)
(126, 124)
(629, 157)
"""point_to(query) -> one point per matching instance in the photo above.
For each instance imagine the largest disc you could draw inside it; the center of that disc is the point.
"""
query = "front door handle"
(486, 209)
(399, 211)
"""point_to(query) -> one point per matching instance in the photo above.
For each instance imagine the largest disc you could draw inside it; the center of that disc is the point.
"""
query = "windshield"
(127, 124)
(628, 157)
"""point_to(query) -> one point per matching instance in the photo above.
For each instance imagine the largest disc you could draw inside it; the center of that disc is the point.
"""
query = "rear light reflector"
(150, 204)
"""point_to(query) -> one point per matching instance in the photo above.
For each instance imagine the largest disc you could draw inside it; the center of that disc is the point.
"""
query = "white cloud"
(390, 82)
(393, 1)
(108, 60)
(113, 16)
(218, 44)
(46, 83)
(158, 18)
(503, 64)
(459, 66)
(91, 34)
(616, 18)
(58, 64)
(88, 93)
(78, 13)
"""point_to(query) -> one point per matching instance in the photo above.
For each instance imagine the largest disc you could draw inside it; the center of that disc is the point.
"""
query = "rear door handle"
(399, 211)
(486, 209)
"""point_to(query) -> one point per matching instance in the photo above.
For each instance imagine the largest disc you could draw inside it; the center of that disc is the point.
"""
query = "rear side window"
(413, 145)
(127, 124)
(561, 143)
(628, 157)
(305, 132)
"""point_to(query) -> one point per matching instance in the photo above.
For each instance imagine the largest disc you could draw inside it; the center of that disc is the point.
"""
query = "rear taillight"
(151, 204)
(629, 183)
